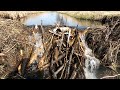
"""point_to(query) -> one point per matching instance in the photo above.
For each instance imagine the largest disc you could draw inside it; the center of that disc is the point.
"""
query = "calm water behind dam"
(50, 18)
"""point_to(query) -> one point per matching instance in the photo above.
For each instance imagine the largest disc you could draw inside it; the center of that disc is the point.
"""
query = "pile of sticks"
(63, 58)
(105, 43)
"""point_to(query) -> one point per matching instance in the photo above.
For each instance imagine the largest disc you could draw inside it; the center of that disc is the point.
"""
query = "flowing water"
(92, 64)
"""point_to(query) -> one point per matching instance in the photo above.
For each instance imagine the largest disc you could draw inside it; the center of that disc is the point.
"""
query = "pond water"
(52, 17)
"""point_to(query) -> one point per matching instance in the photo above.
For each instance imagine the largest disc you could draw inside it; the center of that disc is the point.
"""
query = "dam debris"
(58, 52)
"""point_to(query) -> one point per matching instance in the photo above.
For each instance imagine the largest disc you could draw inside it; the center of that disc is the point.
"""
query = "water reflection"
(50, 18)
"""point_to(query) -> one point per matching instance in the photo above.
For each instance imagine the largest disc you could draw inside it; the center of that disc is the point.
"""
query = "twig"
(10, 48)
(63, 70)
(110, 30)
(45, 66)
(52, 70)
(21, 76)
(55, 33)
(20, 41)
(59, 70)
(73, 75)
(2, 54)
(70, 59)
(117, 22)
(109, 76)
(61, 41)
(60, 57)
(42, 34)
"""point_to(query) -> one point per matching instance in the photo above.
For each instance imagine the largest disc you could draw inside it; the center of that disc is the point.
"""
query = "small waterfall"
(36, 41)
(91, 63)
(39, 44)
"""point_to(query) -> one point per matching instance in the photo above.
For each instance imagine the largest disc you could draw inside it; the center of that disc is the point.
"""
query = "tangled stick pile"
(64, 55)
(55, 52)
(105, 44)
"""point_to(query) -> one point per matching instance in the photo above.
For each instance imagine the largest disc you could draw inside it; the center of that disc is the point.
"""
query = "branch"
(109, 76)
(2, 54)
(59, 70)
(11, 48)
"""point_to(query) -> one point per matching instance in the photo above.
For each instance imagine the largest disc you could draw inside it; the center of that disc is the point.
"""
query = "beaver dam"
(59, 51)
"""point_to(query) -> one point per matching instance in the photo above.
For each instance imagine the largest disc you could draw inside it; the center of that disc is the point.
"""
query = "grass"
(91, 15)
(85, 15)
(16, 14)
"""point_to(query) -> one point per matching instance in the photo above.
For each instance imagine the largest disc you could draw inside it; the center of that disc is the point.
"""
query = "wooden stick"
(42, 35)
(109, 76)
(21, 76)
(2, 54)
(56, 55)
(63, 70)
(69, 63)
(55, 33)
(11, 48)
(59, 70)
(61, 41)
(60, 57)
(73, 75)
(45, 66)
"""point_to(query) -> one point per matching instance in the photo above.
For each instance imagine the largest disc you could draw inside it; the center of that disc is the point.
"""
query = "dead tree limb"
(110, 76)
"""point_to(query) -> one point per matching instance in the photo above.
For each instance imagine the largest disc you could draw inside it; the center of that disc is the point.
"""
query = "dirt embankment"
(13, 39)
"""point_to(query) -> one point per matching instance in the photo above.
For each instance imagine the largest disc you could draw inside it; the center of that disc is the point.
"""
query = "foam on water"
(91, 63)
(38, 44)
